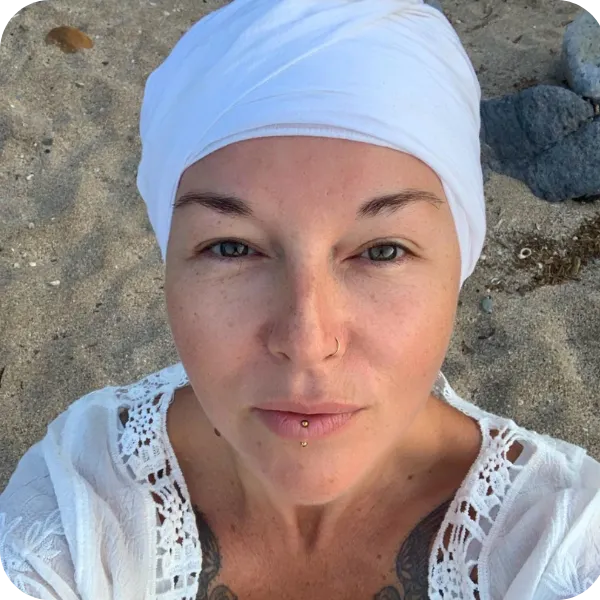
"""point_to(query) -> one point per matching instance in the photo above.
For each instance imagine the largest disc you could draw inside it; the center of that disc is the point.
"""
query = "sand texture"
(71, 206)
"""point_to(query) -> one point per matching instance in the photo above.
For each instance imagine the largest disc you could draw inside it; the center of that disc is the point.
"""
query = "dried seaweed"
(551, 261)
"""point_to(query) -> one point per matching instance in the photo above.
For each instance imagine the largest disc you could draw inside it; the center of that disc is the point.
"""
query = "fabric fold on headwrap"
(386, 72)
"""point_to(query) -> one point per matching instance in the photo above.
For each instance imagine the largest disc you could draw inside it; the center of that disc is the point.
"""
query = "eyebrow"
(229, 205)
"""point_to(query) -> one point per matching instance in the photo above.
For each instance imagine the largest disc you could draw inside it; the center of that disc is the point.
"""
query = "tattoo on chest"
(412, 561)
(211, 562)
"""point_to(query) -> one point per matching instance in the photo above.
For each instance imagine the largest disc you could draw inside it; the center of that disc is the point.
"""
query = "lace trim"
(148, 456)
(457, 551)
(150, 461)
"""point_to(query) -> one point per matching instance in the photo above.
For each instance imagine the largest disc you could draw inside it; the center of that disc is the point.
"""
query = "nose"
(307, 319)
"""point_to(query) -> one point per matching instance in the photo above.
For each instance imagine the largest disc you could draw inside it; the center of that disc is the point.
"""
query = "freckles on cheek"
(420, 328)
(209, 312)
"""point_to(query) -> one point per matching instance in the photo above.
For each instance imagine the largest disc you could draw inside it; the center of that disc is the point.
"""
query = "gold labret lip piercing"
(304, 423)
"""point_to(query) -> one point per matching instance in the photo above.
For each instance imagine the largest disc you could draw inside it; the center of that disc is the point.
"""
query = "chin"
(312, 479)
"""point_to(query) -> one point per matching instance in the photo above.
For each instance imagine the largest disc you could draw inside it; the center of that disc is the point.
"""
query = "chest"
(395, 569)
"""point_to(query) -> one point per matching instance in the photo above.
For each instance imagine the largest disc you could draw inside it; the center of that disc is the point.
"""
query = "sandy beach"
(70, 212)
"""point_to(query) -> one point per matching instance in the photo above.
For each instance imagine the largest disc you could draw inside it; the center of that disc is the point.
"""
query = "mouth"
(310, 408)
(304, 426)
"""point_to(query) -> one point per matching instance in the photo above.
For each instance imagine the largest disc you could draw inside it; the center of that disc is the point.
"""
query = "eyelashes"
(391, 252)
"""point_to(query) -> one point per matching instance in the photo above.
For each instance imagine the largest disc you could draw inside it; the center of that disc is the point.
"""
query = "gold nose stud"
(303, 444)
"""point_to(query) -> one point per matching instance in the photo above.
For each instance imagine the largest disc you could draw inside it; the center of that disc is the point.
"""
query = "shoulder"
(574, 533)
(546, 540)
(42, 503)
(71, 484)
(33, 546)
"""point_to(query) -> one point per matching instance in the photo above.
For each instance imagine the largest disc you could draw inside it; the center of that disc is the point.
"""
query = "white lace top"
(98, 510)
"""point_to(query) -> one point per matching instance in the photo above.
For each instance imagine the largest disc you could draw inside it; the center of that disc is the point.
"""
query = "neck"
(420, 471)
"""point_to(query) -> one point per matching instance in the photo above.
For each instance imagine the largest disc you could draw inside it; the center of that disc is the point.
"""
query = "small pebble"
(31, 225)
(17, 266)
(32, 264)
(54, 283)
(520, 402)
(29, 177)
(69, 39)
(486, 304)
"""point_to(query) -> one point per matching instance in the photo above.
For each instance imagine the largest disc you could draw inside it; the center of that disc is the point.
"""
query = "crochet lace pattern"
(148, 456)
(457, 551)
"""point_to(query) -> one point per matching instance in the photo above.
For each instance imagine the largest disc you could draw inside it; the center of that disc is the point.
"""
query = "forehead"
(310, 165)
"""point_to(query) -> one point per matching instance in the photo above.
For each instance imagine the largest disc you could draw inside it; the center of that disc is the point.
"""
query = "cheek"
(409, 333)
(195, 318)
(208, 318)
(185, 320)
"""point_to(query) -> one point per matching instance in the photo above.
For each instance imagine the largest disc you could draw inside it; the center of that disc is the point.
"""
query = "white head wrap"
(387, 72)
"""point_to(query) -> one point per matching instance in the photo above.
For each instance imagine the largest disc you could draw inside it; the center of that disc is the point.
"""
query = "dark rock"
(570, 169)
(581, 55)
(488, 161)
(521, 125)
(545, 136)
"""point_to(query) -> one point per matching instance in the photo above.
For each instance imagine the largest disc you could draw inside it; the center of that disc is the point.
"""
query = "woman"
(311, 171)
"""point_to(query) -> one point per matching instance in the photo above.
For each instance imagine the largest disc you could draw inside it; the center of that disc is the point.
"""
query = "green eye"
(229, 250)
(386, 252)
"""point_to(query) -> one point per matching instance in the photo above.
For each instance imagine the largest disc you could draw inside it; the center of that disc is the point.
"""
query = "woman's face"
(254, 320)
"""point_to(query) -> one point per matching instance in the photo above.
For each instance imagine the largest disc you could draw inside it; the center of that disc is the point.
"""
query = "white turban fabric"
(387, 72)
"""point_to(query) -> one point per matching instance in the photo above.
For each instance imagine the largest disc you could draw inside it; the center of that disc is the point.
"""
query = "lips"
(310, 408)
(289, 424)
